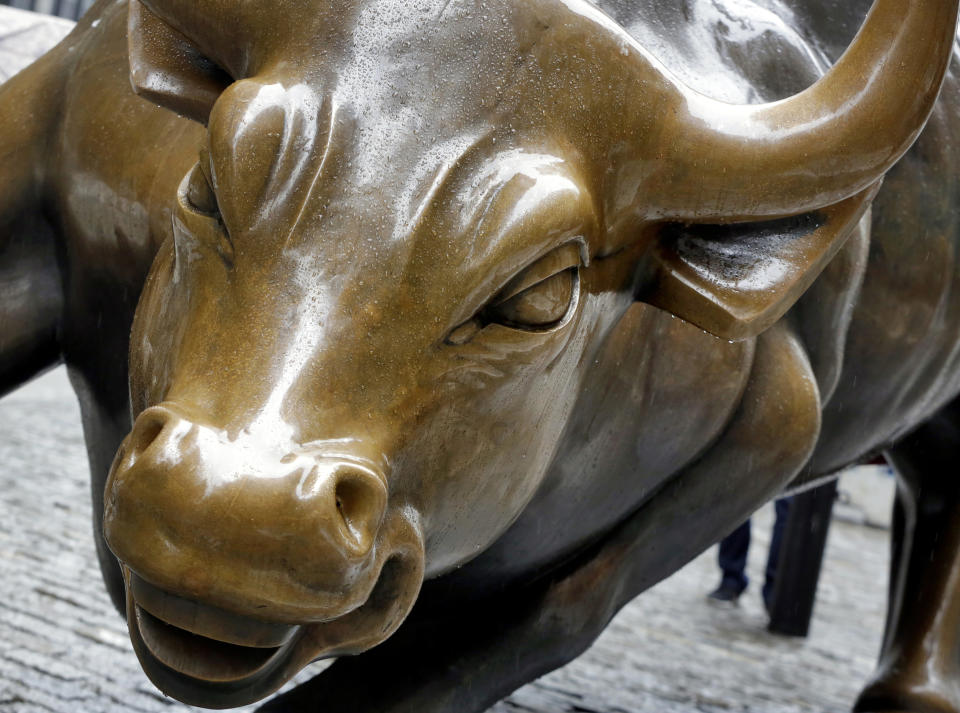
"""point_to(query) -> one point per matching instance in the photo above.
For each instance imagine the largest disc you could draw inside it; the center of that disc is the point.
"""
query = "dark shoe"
(725, 594)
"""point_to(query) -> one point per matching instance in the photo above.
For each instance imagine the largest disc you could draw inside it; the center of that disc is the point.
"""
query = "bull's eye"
(536, 307)
(199, 190)
(200, 214)
(537, 299)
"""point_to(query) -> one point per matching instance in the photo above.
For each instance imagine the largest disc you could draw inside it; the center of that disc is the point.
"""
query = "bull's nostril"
(360, 503)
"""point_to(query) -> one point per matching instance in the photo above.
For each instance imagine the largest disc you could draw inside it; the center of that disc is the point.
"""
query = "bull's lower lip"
(199, 656)
(200, 641)
(203, 670)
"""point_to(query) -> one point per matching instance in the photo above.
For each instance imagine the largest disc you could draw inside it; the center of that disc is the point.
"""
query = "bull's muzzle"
(246, 556)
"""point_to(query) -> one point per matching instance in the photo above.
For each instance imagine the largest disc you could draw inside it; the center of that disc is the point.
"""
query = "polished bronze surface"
(505, 310)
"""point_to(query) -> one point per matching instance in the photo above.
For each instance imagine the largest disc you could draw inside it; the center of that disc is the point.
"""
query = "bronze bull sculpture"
(478, 306)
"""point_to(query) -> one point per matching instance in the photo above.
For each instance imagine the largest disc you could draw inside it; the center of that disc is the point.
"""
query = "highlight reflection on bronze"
(414, 298)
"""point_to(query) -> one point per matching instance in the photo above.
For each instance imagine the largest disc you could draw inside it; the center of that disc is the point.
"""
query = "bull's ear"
(168, 69)
(736, 280)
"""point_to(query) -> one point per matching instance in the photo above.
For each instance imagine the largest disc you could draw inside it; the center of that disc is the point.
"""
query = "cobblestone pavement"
(64, 649)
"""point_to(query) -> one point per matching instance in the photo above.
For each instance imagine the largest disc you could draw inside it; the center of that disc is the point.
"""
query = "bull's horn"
(716, 162)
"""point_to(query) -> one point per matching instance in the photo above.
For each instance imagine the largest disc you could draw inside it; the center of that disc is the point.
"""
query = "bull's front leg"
(471, 655)
(31, 292)
(919, 669)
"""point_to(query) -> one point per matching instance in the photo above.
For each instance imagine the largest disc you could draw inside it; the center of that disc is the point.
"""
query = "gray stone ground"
(64, 649)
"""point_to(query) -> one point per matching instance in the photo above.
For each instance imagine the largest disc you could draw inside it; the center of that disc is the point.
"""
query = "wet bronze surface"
(414, 299)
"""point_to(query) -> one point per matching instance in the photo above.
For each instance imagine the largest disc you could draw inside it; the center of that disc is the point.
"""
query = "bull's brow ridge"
(448, 173)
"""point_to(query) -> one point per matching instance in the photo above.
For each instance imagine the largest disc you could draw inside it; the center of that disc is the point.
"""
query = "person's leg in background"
(782, 508)
(732, 558)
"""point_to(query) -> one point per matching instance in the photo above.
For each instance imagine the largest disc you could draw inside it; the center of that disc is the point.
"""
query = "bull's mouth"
(202, 641)
(203, 655)
(206, 656)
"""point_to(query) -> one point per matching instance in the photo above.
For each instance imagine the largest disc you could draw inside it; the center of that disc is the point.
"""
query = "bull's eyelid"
(206, 223)
(553, 263)
(569, 256)
(199, 195)
(206, 166)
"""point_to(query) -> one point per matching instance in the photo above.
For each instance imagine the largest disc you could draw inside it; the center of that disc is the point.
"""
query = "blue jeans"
(732, 556)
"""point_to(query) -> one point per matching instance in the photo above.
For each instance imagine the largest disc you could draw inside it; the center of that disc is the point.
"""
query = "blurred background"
(70, 9)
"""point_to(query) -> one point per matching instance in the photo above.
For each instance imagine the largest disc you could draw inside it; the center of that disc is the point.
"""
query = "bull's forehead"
(383, 145)
(297, 179)
(378, 107)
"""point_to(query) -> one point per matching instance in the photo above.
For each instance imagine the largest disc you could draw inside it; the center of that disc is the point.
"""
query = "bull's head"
(408, 229)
